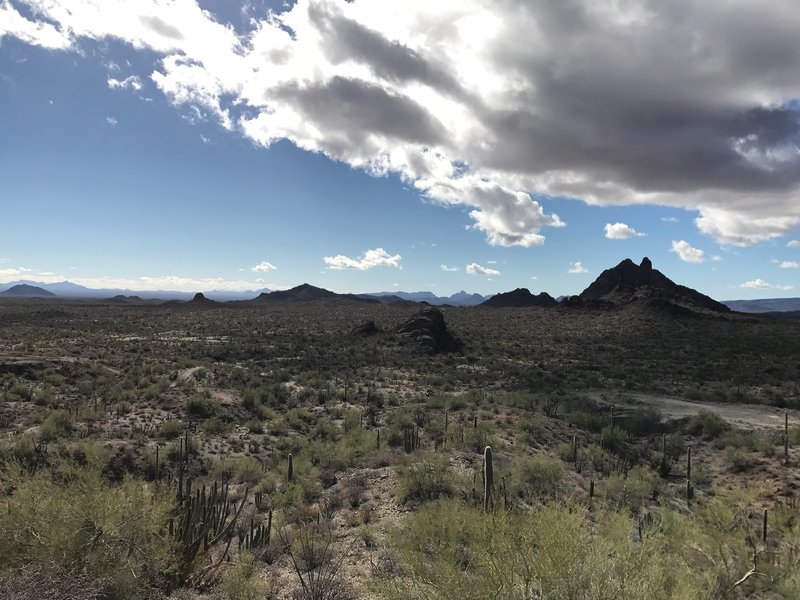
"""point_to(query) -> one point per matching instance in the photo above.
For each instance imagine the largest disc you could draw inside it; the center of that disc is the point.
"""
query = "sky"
(375, 145)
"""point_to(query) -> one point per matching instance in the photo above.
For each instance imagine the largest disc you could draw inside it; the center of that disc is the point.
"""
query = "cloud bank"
(494, 106)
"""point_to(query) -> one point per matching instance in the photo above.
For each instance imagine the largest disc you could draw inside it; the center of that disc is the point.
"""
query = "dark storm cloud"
(357, 109)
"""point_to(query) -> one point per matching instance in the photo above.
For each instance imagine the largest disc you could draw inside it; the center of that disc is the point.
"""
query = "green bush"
(58, 424)
(66, 517)
(170, 430)
(739, 460)
(241, 469)
(633, 491)
(242, 581)
(707, 423)
(425, 479)
(540, 477)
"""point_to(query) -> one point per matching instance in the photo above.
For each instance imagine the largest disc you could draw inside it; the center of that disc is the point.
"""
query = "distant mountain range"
(764, 305)
(67, 289)
(623, 284)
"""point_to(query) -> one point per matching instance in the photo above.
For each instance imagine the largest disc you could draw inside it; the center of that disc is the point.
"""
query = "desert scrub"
(537, 478)
(241, 469)
(241, 581)
(632, 492)
(171, 429)
(425, 478)
(452, 551)
(707, 423)
(58, 424)
(66, 516)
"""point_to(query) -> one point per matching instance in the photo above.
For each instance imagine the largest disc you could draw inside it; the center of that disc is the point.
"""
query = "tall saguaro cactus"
(488, 477)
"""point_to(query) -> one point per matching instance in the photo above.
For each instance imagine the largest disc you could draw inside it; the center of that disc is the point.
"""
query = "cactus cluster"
(258, 536)
(410, 439)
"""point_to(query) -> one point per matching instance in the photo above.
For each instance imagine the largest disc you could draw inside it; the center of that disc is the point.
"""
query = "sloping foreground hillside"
(266, 451)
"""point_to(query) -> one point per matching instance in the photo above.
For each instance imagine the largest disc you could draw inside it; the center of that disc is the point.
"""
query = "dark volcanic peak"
(429, 332)
(199, 298)
(520, 297)
(629, 282)
(24, 290)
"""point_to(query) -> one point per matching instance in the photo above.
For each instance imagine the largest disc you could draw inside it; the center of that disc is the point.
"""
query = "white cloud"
(111, 121)
(793, 244)
(716, 257)
(577, 267)
(447, 269)
(760, 284)
(263, 267)
(789, 264)
(132, 82)
(377, 257)
(687, 252)
(476, 269)
(620, 231)
(443, 95)
(12, 274)
(669, 219)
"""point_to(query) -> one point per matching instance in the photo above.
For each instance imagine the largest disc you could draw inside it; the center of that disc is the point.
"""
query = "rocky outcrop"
(427, 329)
(366, 329)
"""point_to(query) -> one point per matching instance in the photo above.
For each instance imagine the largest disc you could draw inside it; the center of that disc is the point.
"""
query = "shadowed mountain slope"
(629, 282)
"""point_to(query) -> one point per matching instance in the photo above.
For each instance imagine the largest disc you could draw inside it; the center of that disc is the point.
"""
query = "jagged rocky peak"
(629, 282)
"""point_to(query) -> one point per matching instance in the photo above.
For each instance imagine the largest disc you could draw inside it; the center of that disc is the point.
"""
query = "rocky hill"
(520, 297)
(307, 292)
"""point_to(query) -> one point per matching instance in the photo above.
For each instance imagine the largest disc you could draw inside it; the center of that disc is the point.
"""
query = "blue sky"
(129, 161)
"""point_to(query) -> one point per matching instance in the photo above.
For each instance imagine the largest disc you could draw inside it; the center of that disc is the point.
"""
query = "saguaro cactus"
(290, 469)
(786, 437)
(488, 477)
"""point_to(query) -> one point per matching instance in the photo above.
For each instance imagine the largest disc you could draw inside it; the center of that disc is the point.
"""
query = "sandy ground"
(746, 416)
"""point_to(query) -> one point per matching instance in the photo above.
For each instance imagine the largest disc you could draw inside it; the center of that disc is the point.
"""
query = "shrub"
(707, 423)
(66, 517)
(242, 581)
(57, 424)
(539, 477)
(242, 469)
(630, 492)
(425, 479)
(739, 460)
(170, 430)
